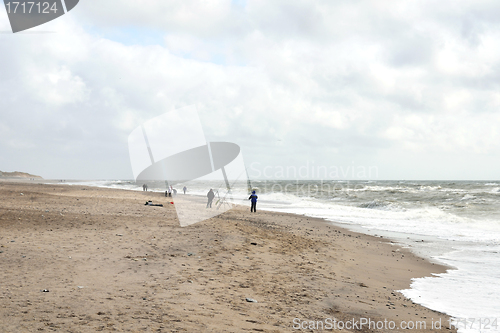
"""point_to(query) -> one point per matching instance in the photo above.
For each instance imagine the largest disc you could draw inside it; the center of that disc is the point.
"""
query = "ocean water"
(456, 223)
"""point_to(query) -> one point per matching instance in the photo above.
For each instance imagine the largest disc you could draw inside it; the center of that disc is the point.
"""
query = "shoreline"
(139, 269)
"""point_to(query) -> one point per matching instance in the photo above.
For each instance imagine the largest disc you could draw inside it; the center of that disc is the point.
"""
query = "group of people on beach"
(253, 197)
(210, 195)
(173, 192)
(168, 193)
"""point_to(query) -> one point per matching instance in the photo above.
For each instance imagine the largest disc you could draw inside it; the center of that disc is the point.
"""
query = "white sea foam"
(468, 197)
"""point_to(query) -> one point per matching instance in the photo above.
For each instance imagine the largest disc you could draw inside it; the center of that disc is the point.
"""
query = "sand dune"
(17, 174)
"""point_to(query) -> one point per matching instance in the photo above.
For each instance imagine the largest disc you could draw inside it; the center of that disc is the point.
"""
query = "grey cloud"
(333, 81)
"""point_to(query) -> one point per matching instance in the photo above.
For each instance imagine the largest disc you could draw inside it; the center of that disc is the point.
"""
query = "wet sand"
(109, 263)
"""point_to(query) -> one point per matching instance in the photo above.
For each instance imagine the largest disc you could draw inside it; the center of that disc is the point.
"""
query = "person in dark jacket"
(210, 196)
(253, 197)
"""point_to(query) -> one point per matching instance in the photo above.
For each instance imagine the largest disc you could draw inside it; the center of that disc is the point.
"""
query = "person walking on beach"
(210, 196)
(185, 189)
(253, 197)
(145, 187)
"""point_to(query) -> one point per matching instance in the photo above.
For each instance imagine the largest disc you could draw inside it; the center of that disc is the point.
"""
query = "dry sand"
(110, 263)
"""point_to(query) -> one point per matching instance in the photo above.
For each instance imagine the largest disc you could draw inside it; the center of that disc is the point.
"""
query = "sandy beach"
(82, 259)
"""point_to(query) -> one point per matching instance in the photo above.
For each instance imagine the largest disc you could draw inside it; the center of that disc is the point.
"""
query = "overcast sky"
(410, 88)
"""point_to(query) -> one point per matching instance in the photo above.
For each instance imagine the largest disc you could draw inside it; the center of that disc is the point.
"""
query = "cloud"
(289, 81)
